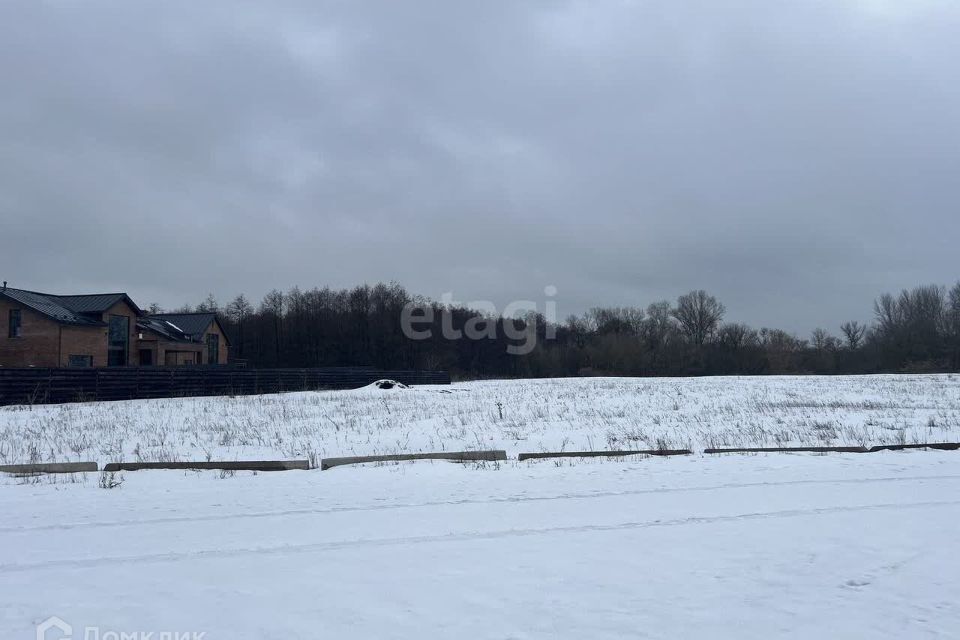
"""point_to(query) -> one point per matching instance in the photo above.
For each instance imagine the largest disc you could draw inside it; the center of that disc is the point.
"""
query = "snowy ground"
(756, 546)
(531, 415)
(768, 546)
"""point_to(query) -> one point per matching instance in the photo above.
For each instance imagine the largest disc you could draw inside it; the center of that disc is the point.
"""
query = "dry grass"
(531, 415)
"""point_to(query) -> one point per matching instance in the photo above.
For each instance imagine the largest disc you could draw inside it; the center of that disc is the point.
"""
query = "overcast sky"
(795, 159)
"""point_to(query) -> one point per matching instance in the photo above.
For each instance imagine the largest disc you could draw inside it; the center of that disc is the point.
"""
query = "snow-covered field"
(530, 415)
(757, 546)
(769, 546)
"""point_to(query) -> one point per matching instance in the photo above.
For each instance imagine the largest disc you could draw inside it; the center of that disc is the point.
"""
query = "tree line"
(917, 330)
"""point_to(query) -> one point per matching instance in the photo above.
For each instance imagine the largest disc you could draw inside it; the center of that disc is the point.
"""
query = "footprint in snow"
(856, 584)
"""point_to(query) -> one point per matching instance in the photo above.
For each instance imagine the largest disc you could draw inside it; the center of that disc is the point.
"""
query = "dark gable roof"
(81, 310)
(192, 324)
(50, 306)
(163, 328)
(95, 302)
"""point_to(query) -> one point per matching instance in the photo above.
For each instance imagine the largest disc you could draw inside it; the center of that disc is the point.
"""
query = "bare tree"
(659, 323)
(888, 313)
(953, 312)
(209, 304)
(272, 303)
(912, 328)
(272, 308)
(737, 336)
(823, 341)
(699, 315)
(237, 312)
(953, 325)
(955, 301)
(615, 320)
(925, 308)
(239, 309)
(854, 332)
(578, 330)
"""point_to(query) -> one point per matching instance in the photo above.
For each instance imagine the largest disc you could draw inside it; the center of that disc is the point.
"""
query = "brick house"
(182, 338)
(101, 330)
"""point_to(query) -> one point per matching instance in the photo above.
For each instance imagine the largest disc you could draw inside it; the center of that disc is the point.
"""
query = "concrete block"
(789, 450)
(233, 465)
(49, 467)
(603, 454)
(453, 456)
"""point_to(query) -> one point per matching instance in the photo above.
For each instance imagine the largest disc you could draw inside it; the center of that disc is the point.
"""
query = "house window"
(80, 361)
(119, 341)
(14, 328)
(213, 348)
(180, 358)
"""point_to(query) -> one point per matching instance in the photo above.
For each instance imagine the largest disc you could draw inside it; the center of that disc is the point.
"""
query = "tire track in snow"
(466, 501)
(319, 547)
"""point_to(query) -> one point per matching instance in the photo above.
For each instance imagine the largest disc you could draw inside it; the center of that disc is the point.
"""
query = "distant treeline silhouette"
(915, 331)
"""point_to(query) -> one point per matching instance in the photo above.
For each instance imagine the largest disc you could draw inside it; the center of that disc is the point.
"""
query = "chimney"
(4, 285)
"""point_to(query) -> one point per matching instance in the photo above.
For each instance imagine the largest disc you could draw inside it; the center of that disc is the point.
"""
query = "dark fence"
(45, 386)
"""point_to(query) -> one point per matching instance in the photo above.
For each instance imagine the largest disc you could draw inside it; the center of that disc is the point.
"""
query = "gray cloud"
(794, 158)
